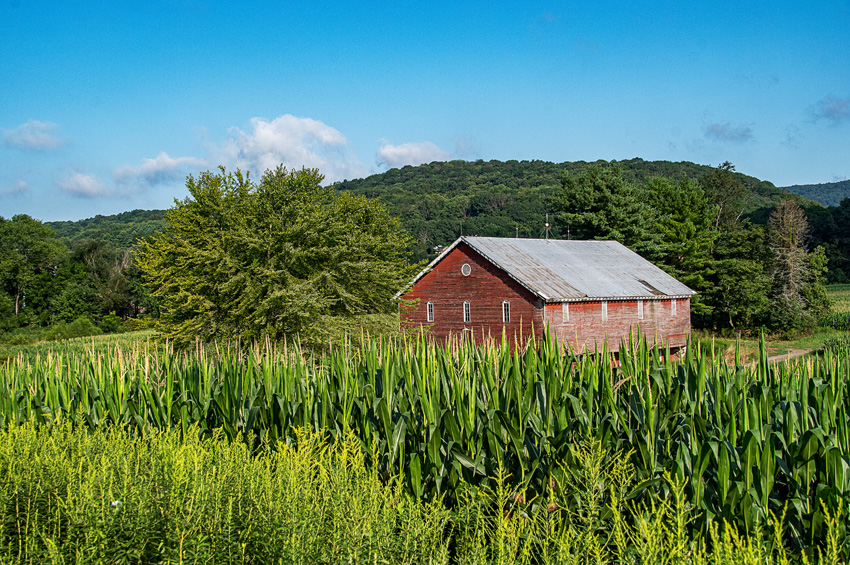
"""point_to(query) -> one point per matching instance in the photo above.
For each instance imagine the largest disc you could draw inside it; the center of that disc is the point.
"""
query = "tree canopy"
(278, 258)
(746, 275)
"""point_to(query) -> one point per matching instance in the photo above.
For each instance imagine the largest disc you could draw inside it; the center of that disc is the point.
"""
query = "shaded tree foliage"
(278, 258)
(27, 248)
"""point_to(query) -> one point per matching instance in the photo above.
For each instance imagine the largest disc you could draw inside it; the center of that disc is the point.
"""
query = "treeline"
(78, 282)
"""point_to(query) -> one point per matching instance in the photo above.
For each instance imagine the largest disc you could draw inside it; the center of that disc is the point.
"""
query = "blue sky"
(107, 106)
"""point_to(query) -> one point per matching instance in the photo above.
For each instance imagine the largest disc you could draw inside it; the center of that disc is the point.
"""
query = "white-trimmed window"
(467, 312)
(673, 307)
(640, 309)
(604, 310)
(430, 309)
(565, 312)
(506, 312)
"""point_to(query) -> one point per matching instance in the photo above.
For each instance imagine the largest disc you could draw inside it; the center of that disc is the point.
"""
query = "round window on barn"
(466, 269)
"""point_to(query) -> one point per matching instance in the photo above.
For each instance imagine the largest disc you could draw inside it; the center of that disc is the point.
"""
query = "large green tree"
(600, 204)
(685, 222)
(276, 258)
(27, 247)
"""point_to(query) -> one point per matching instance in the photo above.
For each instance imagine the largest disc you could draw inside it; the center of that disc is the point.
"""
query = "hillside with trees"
(439, 201)
(120, 230)
(828, 193)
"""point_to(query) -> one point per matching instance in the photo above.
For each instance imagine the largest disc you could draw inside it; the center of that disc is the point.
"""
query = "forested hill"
(828, 194)
(121, 230)
(438, 201)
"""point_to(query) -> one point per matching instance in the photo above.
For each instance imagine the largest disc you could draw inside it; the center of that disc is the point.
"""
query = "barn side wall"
(485, 289)
(586, 326)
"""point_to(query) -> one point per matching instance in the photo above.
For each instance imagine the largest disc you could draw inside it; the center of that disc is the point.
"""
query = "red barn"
(585, 291)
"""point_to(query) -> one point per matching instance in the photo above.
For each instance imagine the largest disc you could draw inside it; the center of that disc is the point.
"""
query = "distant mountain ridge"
(828, 193)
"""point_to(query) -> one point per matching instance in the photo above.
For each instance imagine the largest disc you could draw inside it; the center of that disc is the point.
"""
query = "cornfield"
(756, 449)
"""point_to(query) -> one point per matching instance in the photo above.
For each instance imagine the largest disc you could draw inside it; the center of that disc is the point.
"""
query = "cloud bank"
(33, 135)
(85, 186)
(19, 187)
(294, 142)
(728, 132)
(160, 170)
(412, 153)
(833, 109)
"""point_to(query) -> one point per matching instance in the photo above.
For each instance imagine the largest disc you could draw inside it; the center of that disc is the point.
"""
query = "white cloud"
(34, 135)
(161, 169)
(20, 187)
(728, 132)
(833, 109)
(412, 153)
(86, 186)
(295, 143)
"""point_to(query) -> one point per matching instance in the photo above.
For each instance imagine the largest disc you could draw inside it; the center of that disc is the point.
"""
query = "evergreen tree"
(685, 225)
(599, 204)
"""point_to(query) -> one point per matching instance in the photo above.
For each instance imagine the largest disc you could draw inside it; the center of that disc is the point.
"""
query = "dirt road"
(792, 353)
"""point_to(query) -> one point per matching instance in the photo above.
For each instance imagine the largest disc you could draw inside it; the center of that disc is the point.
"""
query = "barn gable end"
(485, 289)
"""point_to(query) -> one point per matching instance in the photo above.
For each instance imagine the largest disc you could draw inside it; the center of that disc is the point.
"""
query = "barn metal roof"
(558, 270)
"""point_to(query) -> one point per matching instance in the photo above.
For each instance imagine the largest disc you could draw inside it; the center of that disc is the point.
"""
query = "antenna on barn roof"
(547, 226)
(517, 230)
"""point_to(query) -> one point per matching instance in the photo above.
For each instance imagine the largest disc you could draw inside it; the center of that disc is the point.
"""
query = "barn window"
(465, 269)
(565, 312)
(467, 314)
(430, 307)
(673, 307)
(640, 309)
(604, 310)
(506, 311)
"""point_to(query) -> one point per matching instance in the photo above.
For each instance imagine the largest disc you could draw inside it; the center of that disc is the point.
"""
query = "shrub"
(81, 327)
(112, 324)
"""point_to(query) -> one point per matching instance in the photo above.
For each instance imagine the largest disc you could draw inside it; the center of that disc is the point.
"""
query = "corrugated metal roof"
(558, 270)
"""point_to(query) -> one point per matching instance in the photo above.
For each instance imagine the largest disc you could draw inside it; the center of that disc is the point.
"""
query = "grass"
(746, 349)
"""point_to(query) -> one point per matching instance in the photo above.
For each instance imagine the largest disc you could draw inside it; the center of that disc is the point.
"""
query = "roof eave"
(613, 298)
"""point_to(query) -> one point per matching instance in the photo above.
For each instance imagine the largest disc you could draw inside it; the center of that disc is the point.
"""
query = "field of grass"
(746, 349)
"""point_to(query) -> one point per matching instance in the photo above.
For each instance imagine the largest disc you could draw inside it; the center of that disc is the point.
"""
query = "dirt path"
(792, 353)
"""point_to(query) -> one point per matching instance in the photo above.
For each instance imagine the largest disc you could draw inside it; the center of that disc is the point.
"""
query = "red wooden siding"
(485, 289)
(586, 327)
(488, 286)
